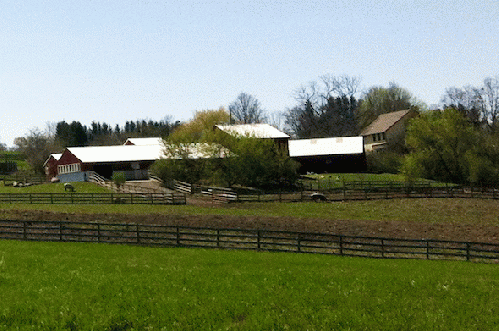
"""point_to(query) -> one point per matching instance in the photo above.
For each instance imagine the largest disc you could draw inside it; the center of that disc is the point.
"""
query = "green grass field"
(54, 286)
(338, 180)
(80, 187)
(76, 286)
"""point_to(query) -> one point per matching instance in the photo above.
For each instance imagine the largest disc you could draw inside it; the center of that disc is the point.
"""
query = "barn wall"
(73, 177)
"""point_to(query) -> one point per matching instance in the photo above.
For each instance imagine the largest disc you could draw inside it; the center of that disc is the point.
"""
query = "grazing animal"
(69, 187)
(318, 197)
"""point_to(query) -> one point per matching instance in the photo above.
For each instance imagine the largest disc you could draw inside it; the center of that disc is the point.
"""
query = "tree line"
(75, 134)
(333, 106)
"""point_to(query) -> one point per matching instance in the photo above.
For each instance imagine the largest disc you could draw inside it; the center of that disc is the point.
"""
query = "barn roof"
(144, 141)
(253, 130)
(52, 156)
(326, 146)
(384, 122)
(135, 153)
(120, 153)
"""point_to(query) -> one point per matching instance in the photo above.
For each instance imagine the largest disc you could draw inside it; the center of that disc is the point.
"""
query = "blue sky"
(113, 61)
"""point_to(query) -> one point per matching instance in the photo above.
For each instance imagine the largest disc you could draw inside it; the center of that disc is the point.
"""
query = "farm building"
(51, 165)
(75, 163)
(388, 130)
(133, 159)
(340, 154)
(261, 131)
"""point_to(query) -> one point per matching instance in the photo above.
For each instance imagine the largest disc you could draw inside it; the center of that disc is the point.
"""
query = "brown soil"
(390, 229)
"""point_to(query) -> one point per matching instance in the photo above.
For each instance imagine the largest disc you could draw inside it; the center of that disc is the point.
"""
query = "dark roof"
(384, 122)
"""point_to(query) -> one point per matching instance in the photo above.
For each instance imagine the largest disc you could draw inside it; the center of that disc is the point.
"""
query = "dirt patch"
(390, 229)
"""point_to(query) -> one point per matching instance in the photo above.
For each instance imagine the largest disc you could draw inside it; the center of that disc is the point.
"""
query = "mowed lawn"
(76, 286)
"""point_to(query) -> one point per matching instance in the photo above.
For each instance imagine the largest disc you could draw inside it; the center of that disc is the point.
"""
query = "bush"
(118, 178)
(384, 162)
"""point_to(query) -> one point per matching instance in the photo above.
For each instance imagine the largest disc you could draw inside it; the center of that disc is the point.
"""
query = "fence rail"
(375, 193)
(94, 198)
(261, 240)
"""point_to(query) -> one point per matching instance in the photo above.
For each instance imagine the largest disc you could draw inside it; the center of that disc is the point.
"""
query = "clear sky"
(117, 60)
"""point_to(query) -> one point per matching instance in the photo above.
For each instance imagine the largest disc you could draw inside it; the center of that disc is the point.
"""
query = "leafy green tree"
(71, 135)
(380, 100)
(254, 162)
(199, 128)
(197, 154)
(445, 146)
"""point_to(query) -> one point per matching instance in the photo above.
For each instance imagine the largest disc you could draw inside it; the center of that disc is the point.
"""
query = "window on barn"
(69, 168)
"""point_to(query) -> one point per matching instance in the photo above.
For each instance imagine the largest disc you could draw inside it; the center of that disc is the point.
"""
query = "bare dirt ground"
(390, 229)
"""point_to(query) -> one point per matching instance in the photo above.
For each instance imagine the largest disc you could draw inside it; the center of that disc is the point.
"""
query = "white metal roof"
(120, 153)
(54, 156)
(134, 153)
(145, 141)
(326, 146)
(253, 130)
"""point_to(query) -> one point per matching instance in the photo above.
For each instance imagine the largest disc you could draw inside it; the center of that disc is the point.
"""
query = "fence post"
(258, 236)
(60, 231)
(25, 225)
(341, 245)
(427, 250)
(468, 254)
(218, 237)
(178, 236)
(382, 248)
(298, 243)
(138, 234)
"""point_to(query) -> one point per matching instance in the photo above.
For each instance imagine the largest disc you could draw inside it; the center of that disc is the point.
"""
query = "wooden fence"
(94, 198)
(261, 240)
(375, 193)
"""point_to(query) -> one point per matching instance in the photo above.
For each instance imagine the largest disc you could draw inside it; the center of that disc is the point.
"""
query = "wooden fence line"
(94, 198)
(260, 240)
(376, 193)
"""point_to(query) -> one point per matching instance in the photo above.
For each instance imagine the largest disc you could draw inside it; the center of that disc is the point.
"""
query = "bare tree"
(479, 104)
(339, 86)
(37, 146)
(490, 97)
(246, 109)
(325, 108)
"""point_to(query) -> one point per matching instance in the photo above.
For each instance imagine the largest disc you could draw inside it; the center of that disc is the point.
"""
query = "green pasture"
(339, 180)
(359, 177)
(80, 187)
(75, 286)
